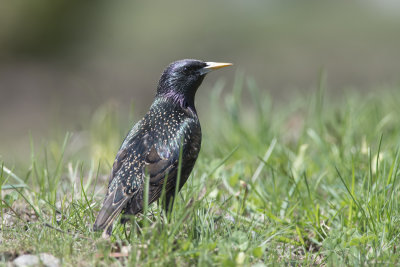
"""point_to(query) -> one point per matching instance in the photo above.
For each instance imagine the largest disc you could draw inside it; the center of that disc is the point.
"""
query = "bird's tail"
(112, 206)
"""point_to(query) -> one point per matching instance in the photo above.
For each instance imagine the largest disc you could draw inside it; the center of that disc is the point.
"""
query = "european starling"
(154, 144)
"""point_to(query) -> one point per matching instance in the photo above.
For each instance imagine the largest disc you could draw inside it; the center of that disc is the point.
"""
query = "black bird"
(153, 145)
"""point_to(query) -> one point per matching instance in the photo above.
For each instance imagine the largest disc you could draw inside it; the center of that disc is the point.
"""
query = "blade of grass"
(264, 161)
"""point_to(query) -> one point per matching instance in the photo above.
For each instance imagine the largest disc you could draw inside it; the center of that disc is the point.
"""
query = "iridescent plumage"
(153, 145)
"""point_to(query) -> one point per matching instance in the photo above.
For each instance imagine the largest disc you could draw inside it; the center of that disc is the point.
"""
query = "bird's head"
(181, 79)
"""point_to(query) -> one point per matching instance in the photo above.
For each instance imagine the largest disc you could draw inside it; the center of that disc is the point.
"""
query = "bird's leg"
(168, 205)
(160, 206)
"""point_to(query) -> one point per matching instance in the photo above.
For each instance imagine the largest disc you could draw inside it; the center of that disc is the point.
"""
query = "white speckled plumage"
(153, 145)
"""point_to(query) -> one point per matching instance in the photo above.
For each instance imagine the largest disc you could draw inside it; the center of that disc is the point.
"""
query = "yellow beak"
(214, 66)
(217, 65)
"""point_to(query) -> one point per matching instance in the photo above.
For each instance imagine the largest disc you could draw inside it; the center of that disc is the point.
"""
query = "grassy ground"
(308, 181)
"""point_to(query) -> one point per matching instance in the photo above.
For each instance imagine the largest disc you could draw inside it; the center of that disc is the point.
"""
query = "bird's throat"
(180, 99)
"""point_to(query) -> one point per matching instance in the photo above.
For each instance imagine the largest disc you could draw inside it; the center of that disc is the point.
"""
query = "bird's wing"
(162, 161)
(112, 206)
(124, 180)
(132, 163)
(161, 164)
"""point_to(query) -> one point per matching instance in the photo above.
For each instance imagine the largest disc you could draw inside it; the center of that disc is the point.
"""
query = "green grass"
(305, 181)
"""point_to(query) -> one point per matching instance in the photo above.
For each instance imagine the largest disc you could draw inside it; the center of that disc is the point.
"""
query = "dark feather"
(112, 206)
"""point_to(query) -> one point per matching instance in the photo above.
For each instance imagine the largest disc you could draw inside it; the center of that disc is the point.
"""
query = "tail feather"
(112, 207)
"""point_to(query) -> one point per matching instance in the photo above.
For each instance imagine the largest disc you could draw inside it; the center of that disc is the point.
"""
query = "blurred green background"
(62, 60)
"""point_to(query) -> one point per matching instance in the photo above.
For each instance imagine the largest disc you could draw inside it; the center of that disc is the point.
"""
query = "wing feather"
(112, 206)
